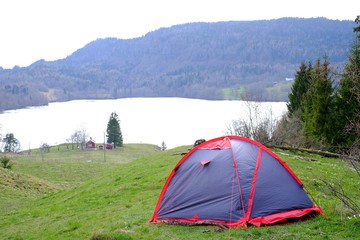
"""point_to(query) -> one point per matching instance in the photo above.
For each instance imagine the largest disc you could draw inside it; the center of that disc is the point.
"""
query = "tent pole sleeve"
(253, 185)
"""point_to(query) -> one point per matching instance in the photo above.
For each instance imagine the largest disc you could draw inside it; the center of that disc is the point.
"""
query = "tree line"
(323, 108)
(113, 136)
(195, 60)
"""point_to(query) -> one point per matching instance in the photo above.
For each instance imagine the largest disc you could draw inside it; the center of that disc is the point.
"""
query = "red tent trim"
(237, 177)
(253, 185)
(278, 217)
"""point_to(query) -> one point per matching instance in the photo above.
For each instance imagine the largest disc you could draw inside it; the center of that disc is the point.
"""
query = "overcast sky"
(53, 29)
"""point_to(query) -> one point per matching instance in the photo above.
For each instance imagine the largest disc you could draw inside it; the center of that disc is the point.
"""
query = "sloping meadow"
(118, 203)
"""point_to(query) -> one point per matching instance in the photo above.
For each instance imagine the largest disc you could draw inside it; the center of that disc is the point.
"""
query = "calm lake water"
(175, 121)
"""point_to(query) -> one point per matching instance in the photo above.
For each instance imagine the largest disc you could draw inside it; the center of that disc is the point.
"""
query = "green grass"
(115, 199)
(233, 93)
(66, 167)
(278, 91)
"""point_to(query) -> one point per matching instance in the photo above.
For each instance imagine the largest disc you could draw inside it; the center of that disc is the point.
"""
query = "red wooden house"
(91, 144)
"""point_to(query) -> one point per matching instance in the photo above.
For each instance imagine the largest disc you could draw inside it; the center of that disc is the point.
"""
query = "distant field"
(233, 94)
(66, 167)
(73, 194)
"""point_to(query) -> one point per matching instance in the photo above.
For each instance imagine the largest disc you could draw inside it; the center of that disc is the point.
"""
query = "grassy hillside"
(69, 168)
(108, 200)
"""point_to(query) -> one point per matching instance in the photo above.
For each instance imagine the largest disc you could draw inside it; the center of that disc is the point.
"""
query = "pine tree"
(113, 131)
(347, 100)
(317, 109)
(329, 117)
(299, 88)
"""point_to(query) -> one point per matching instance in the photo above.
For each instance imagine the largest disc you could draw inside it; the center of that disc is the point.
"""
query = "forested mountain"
(196, 60)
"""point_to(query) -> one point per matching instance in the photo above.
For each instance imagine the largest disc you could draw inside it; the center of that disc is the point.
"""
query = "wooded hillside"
(195, 60)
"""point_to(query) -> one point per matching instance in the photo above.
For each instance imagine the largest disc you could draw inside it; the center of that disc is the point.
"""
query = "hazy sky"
(53, 29)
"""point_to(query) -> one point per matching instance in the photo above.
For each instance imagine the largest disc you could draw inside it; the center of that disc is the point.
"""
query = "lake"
(175, 121)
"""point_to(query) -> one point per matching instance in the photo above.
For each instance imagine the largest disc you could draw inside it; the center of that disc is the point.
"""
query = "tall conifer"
(113, 131)
(317, 114)
(348, 97)
(299, 89)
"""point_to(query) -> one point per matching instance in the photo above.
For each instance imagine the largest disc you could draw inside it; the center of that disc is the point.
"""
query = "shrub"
(5, 162)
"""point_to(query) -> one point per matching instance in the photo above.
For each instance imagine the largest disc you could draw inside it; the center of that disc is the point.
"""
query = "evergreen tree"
(299, 88)
(347, 104)
(328, 117)
(163, 146)
(113, 131)
(317, 109)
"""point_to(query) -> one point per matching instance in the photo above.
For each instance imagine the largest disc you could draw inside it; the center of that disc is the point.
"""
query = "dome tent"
(232, 181)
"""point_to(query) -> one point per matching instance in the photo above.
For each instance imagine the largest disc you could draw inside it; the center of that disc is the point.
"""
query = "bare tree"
(289, 131)
(79, 138)
(258, 125)
(44, 148)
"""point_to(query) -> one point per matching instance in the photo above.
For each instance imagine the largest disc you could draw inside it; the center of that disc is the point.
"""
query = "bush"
(5, 162)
